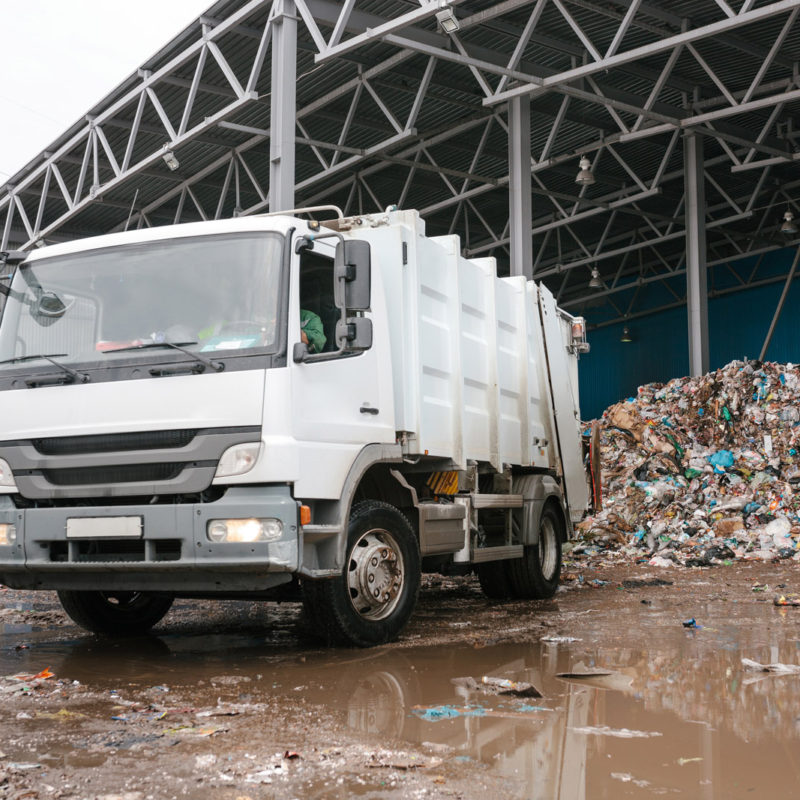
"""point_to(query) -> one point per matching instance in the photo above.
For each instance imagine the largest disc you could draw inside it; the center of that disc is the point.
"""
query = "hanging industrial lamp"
(788, 227)
(170, 160)
(447, 20)
(596, 281)
(626, 335)
(585, 176)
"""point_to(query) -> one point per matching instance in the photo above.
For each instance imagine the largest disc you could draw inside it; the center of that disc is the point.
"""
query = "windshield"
(215, 294)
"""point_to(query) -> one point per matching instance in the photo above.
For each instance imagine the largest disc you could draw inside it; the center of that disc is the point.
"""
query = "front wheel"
(374, 597)
(115, 613)
(536, 574)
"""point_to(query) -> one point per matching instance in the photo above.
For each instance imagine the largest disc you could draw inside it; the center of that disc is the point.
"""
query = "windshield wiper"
(30, 358)
(217, 366)
(74, 375)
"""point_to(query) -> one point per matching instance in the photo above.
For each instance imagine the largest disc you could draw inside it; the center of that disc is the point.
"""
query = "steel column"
(283, 106)
(696, 268)
(519, 190)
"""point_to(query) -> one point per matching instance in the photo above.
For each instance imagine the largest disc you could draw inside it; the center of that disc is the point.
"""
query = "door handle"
(369, 410)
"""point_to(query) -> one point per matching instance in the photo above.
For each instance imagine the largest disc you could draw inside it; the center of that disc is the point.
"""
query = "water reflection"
(687, 718)
(678, 713)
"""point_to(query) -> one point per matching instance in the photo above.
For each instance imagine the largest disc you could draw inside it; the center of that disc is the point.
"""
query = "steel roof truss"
(187, 109)
(664, 45)
(587, 43)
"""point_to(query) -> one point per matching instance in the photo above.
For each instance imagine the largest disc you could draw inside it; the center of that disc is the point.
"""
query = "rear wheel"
(536, 574)
(115, 613)
(374, 597)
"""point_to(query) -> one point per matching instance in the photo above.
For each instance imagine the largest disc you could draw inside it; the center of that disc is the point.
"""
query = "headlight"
(6, 476)
(244, 530)
(8, 534)
(238, 459)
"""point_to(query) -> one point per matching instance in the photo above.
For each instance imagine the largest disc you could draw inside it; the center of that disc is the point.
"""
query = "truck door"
(340, 402)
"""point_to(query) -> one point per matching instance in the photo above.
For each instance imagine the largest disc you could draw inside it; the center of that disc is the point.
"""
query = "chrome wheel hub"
(375, 574)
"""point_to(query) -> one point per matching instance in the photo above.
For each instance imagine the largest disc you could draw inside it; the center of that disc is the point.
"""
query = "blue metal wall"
(738, 324)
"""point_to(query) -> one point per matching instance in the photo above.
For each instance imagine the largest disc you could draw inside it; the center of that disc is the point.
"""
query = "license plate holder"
(105, 527)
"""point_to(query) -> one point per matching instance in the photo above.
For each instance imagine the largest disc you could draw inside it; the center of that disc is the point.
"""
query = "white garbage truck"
(231, 408)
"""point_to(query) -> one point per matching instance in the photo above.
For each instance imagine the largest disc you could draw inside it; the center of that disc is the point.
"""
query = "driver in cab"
(311, 331)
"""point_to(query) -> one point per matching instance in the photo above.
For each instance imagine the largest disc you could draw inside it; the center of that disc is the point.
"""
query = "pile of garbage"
(701, 471)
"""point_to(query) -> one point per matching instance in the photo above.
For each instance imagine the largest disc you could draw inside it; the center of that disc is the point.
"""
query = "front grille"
(114, 465)
(112, 550)
(130, 473)
(114, 442)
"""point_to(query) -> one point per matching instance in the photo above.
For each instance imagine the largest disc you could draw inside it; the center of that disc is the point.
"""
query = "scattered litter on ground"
(122, 796)
(437, 713)
(401, 761)
(598, 678)
(497, 686)
(682, 762)
(514, 688)
(62, 715)
(559, 639)
(626, 777)
(786, 600)
(777, 669)
(636, 583)
(619, 733)
(25, 684)
(691, 623)
(701, 471)
(580, 670)
(39, 676)
(192, 730)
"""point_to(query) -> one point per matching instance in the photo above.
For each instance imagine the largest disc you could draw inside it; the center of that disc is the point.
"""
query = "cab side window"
(318, 312)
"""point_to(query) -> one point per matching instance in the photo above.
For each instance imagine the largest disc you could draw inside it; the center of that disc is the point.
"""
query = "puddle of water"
(677, 713)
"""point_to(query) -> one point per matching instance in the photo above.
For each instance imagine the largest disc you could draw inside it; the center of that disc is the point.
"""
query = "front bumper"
(172, 555)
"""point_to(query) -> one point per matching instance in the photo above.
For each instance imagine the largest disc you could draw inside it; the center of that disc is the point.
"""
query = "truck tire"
(494, 579)
(115, 613)
(536, 574)
(374, 597)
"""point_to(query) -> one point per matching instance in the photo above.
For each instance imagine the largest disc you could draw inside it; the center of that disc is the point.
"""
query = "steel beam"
(519, 190)
(283, 105)
(696, 270)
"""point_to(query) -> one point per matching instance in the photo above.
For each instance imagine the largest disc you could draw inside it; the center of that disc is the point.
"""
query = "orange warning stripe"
(444, 482)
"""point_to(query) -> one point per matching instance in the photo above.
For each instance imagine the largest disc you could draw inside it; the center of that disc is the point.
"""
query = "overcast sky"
(60, 57)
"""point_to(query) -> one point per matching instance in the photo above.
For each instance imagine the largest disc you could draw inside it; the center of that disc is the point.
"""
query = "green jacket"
(311, 325)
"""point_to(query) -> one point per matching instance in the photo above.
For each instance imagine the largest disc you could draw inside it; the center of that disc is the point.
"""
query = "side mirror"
(354, 334)
(299, 352)
(352, 266)
(50, 304)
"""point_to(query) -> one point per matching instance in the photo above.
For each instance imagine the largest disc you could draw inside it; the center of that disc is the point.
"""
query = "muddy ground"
(234, 700)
